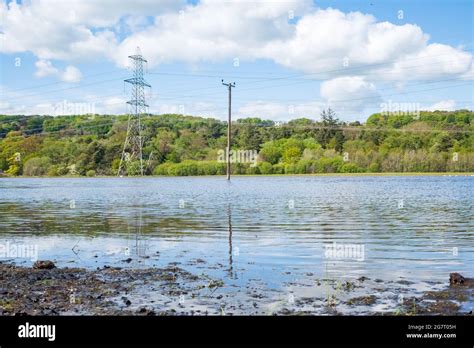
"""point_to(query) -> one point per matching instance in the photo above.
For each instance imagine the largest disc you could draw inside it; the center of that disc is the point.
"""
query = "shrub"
(290, 169)
(238, 168)
(328, 165)
(252, 170)
(278, 168)
(53, 171)
(265, 168)
(350, 168)
(190, 167)
(304, 167)
(374, 167)
(36, 166)
(162, 169)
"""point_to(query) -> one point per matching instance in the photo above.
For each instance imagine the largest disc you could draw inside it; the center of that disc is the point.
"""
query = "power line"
(67, 88)
(364, 98)
(288, 84)
(60, 82)
(300, 80)
(292, 76)
(286, 100)
(263, 80)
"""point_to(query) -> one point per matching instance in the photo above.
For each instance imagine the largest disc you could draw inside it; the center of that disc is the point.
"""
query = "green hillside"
(184, 145)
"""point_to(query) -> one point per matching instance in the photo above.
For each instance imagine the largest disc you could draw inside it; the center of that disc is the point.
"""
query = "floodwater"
(270, 238)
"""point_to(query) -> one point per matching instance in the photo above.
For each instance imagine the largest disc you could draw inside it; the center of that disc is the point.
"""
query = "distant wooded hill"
(185, 145)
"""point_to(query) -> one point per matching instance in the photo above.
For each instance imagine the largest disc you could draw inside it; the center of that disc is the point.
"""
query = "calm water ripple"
(419, 227)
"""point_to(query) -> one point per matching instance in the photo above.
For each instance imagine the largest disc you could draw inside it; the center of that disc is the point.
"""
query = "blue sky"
(289, 59)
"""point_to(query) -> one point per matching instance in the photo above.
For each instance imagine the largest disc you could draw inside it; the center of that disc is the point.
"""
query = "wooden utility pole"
(229, 123)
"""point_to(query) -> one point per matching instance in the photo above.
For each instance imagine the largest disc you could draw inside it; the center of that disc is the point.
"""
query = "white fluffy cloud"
(71, 74)
(433, 61)
(324, 41)
(327, 43)
(349, 50)
(332, 40)
(110, 105)
(214, 31)
(70, 30)
(46, 68)
(349, 93)
(443, 105)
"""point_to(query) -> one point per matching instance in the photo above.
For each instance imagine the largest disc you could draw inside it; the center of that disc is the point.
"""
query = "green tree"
(36, 166)
(14, 165)
(329, 130)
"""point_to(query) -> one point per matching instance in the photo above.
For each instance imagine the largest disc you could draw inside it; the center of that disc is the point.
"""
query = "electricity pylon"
(131, 162)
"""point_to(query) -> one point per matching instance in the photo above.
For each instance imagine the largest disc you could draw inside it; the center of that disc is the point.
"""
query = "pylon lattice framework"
(132, 153)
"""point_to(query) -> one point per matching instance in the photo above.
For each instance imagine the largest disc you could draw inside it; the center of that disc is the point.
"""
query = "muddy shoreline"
(174, 291)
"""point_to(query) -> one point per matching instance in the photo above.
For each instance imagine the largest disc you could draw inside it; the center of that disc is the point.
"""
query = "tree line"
(90, 145)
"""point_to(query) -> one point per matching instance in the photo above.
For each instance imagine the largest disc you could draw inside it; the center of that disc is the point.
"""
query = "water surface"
(270, 231)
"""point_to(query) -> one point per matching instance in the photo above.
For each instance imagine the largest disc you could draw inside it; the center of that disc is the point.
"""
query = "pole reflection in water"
(229, 215)
(135, 227)
(140, 242)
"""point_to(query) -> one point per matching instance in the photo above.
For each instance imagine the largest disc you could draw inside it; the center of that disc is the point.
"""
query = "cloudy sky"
(288, 58)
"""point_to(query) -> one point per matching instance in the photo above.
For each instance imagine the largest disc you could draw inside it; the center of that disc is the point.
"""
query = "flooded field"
(319, 245)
